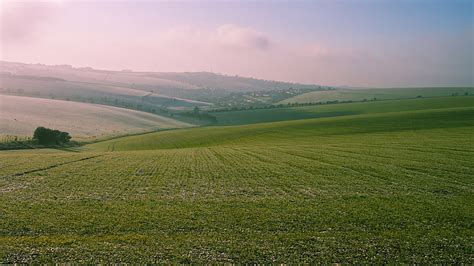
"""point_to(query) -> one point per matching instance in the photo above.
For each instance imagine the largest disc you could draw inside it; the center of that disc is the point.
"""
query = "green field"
(380, 182)
(378, 93)
(333, 110)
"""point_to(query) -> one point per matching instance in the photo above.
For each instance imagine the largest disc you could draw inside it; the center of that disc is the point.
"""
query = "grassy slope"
(318, 111)
(380, 94)
(21, 115)
(387, 187)
(290, 131)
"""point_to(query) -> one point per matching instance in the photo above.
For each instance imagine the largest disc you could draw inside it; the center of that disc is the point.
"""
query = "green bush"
(50, 136)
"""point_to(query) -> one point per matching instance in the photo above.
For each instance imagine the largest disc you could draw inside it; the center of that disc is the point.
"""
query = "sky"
(359, 43)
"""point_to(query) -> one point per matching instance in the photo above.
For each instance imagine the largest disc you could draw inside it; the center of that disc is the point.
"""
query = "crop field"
(333, 110)
(138, 90)
(370, 187)
(379, 94)
(21, 115)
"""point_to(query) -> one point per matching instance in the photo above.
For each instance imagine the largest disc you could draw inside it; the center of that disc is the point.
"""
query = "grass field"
(379, 94)
(370, 187)
(333, 110)
(21, 115)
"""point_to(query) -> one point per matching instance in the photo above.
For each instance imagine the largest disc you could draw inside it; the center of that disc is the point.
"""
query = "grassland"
(333, 110)
(21, 115)
(378, 93)
(371, 187)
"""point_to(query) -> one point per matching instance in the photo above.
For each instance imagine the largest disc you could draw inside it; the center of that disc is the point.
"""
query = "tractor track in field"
(405, 168)
(446, 162)
(340, 166)
(48, 167)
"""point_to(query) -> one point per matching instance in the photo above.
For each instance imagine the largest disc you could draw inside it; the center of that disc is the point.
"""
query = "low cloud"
(243, 38)
(223, 37)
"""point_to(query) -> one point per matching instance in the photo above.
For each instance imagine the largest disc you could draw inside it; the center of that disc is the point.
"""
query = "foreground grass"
(393, 187)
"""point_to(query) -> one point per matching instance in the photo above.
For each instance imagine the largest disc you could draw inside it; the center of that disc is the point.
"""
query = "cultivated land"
(379, 94)
(21, 115)
(154, 92)
(376, 185)
(332, 110)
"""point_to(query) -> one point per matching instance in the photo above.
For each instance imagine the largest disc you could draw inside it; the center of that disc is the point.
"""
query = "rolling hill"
(369, 187)
(147, 81)
(167, 84)
(428, 115)
(374, 182)
(377, 93)
(21, 115)
(331, 110)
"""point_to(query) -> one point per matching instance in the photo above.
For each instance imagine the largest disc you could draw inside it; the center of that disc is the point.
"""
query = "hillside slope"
(377, 93)
(21, 115)
(375, 188)
(447, 115)
(332, 110)
(146, 81)
(154, 92)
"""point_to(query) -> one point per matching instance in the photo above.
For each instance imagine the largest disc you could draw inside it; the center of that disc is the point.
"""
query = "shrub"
(50, 136)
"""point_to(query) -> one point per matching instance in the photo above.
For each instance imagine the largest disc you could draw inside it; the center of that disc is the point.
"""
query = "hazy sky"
(355, 43)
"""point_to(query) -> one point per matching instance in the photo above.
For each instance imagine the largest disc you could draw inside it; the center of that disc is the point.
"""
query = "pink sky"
(317, 42)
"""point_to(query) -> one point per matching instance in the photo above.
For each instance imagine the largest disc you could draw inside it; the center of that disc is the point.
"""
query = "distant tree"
(50, 136)
(196, 110)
